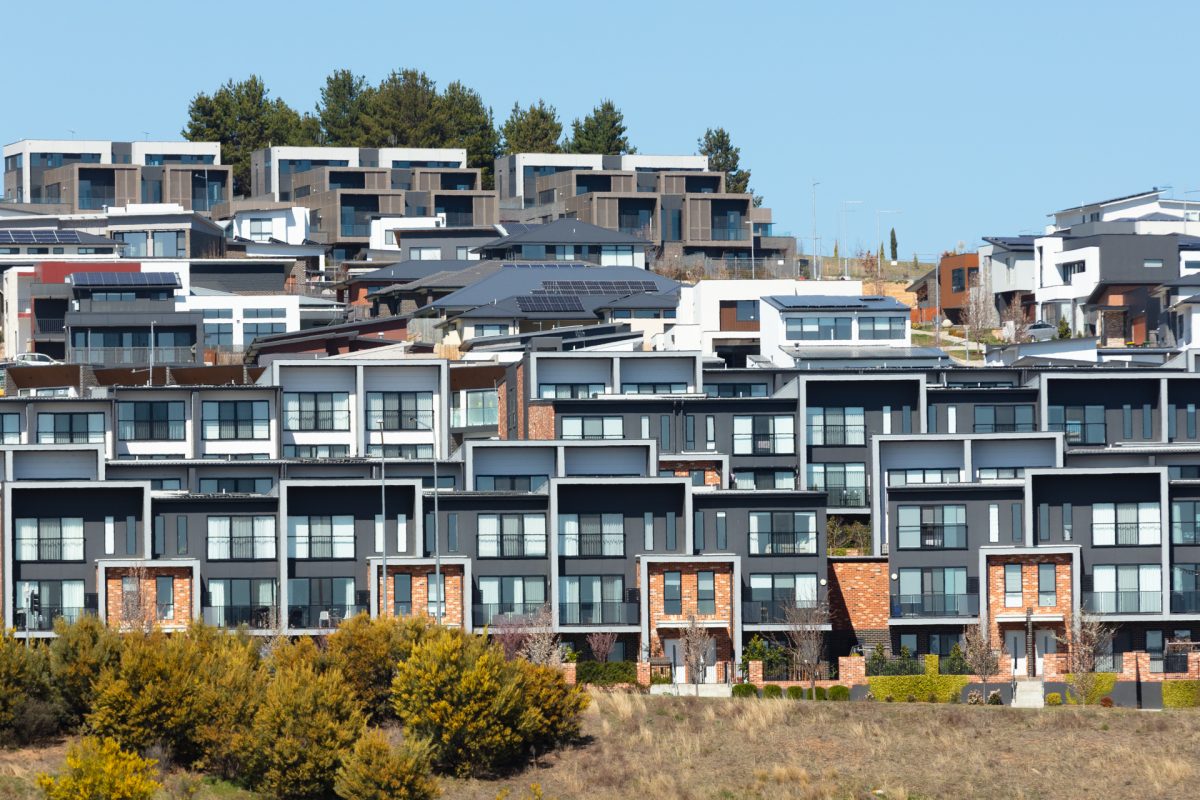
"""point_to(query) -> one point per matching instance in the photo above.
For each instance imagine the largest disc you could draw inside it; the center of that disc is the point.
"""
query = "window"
(936, 527)
(49, 539)
(881, 327)
(573, 391)
(52, 598)
(592, 600)
(234, 601)
(1017, 524)
(745, 310)
(837, 426)
(1000, 473)
(1126, 588)
(510, 483)
(993, 522)
(399, 411)
(236, 419)
(722, 537)
(591, 535)
(509, 595)
(1081, 424)
(958, 280)
(320, 602)
(935, 591)
(1004, 419)
(1047, 591)
(771, 594)
(735, 389)
(164, 597)
(316, 450)
(1012, 586)
(241, 538)
(151, 421)
(435, 605)
(169, 244)
(593, 428)
(672, 593)
(250, 331)
(648, 531)
(218, 334)
(672, 541)
(316, 411)
(409, 451)
(491, 329)
(1152, 263)
(698, 531)
(764, 435)
(181, 534)
(823, 329)
(1068, 522)
(1185, 521)
(424, 253)
(321, 537)
(402, 594)
(653, 388)
(260, 230)
(264, 313)
(764, 479)
(70, 428)
(235, 485)
(706, 593)
(10, 428)
(846, 484)
(1125, 524)
(783, 532)
(511, 535)
(920, 477)
(710, 432)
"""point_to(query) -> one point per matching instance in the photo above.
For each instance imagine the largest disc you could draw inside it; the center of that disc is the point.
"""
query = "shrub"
(1106, 702)
(305, 727)
(1103, 684)
(481, 713)
(744, 690)
(955, 663)
(975, 698)
(1054, 699)
(887, 698)
(795, 693)
(869, 697)
(772, 691)
(994, 698)
(231, 694)
(912, 698)
(79, 652)
(375, 770)
(943, 687)
(932, 698)
(819, 692)
(29, 707)
(774, 659)
(367, 652)
(839, 693)
(955, 699)
(658, 679)
(99, 768)
(606, 673)
(1181, 694)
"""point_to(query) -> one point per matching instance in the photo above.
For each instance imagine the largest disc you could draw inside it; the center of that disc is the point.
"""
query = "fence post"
(756, 673)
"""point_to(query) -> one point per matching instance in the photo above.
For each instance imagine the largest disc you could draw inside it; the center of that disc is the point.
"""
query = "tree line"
(406, 109)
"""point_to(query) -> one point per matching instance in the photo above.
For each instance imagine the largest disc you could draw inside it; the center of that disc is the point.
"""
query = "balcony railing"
(151, 430)
(321, 616)
(837, 435)
(1172, 663)
(782, 543)
(765, 611)
(846, 496)
(256, 618)
(320, 546)
(350, 229)
(935, 605)
(92, 203)
(488, 613)
(739, 234)
(459, 219)
(132, 355)
(1123, 602)
(1109, 662)
(586, 545)
(474, 417)
(240, 548)
(43, 620)
(932, 537)
(1083, 432)
(606, 613)
(1185, 602)
(326, 420)
(50, 325)
(1126, 534)
(64, 548)
(511, 545)
(763, 444)
(1005, 427)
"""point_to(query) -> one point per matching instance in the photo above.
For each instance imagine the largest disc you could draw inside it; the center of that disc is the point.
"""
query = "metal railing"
(1005, 427)
(65, 548)
(934, 537)
(43, 620)
(593, 544)
(322, 546)
(487, 613)
(259, 617)
(598, 613)
(132, 355)
(846, 496)
(321, 616)
(93, 203)
(348, 229)
(471, 417)
(1122, 602)
(50, 325)
(325, 420)
(739, 234)
(400, 420)
(837, 435)
(1126, 534)
(763, 444)
(782, 543)
(1109, 662)
(513, 545)
(935, 605)
(1185, 602)
(1083, 432)
(1174, 663)
(240, 548)
(151, 430)
(459, 219)
(766, 611)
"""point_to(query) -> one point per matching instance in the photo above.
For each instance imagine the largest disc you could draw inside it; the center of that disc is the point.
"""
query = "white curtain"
(291, 411)
(218, 538)
(785, 434)
(297, 537)
(27, 540)
(743, 435)
(569, 531)
(805, 523)
(806, 591)
(343, 536)
(612, 527)
(535, 535)
(264, 537)
(72, 538)
(1149, 524)
(380, 536)
(402, 533)
(343, 591)
(1104, 518)
(72, 599)
(217, 595)
(489, 591)
(488, 531)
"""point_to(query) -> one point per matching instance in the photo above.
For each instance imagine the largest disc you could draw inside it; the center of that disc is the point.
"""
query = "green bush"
(1103, 684)
(912, 698)
(1054, 699)
(943, 687)
(375, 770)
(795, 693)
(1181, 694)
(480, 712)
(933, 698)
(744, 690)
(839, 693)
(820, 693)
(772, 691)
(29, 706)
(955, 663)
(98, 769)
(601, 673)
(994, 698)
(905, 664)
(79, 652)
(367, 651)
(658, 679)
(773, 657)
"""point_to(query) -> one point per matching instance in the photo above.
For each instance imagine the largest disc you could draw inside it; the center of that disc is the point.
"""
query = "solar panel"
(125, 279)
(596, 287)
(544, 303)
(39, 237)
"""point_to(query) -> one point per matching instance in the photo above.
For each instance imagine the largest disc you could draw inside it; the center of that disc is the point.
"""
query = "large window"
(771, 594)
(399, 411)
(511, 483)
(241, 485)
(236, 419)
(241, 538)
(321, 537)
(783, 532)
(1081, 424)
(706, 592)
(230, 602)
(49, 539)
(10, 428)
(593, 600)
(151, 421)
(1125, 588)
(936, 591)
(516, 594)
(735, 389)
(846, 484)
(1125, 524)
(881, 327)
(316, 411)
(837, 426)
(483, 407)
(569, 391)
(70, 428)
(320, 602)
(764, 479)
(653, 388)
(922, 477)
(316, 450)
(1004, 419)
(511, 535)
(261, 230)
(593, 427)
(1047, 587)
(52, 598)
(931, 527)
(820, 328)
(762, 434)
(591, 535)
(1185, 522)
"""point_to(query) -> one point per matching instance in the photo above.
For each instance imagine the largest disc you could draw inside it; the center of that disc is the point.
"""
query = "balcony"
(763, 444)
(355, 229)
(782, 543)
(112, 356)
(755, 612)
(837, 435)
(721, 234)
(935, 605)
(43, 620)
(49, 325)
(1083, 432)
(1126, 534)
(321, 616)
(1185, 602)
(598, 613)
(513, 545)
(65, 548)
(1005, 427)
(931, 537)
(1123, 602)
(459, 219)
(96, 202)
(592, 545)
(487, 613)
(1170, 663)
(474, 417)
(256, 618)
(846, 496)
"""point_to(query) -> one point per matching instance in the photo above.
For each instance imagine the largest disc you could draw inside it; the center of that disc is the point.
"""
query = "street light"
(815, 269)
(841, 226)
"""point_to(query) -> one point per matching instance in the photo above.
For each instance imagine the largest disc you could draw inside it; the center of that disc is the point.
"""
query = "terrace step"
(1030, 693)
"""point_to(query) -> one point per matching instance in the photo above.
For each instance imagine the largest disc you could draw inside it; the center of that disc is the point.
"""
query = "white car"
(34, 360)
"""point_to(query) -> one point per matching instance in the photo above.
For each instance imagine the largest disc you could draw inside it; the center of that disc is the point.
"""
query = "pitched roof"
(564, 231)
(513, 279)
(1155, 191)
(826, 302)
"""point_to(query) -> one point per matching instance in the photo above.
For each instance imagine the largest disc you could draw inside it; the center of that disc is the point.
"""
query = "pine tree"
(342, 111)
(724, 157)
(405, 111)
(532, 130)
(895, 247)
(469, 124)
(601, 132)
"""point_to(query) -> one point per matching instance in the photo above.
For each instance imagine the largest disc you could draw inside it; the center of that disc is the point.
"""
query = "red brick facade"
(670, 626)
(859, 598)
(143, 611)
(1029, 590)
(683, 469)
(452, 575)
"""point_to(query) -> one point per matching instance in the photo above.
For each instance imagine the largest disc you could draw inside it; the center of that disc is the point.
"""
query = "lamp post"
(815, 270)
(841, 227)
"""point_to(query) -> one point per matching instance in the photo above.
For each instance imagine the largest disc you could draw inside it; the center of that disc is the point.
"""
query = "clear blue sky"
(971, 118)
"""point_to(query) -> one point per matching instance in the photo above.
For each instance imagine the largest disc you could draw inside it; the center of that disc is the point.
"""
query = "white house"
(829, 321)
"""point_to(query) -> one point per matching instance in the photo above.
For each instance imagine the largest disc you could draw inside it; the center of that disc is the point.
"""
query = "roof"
(1155, 191)
(826, 302)
(448, 279)
(1011, 242)
(928, 277)
(124, 280)
(839, 352)
(561, 338)
(410, 270)
(48, 236)
(512, 279)
(564, 231)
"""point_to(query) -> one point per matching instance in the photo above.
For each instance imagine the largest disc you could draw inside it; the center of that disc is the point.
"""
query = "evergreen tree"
(405, 111)
(724, 157)
(532, 130)
(602, 132)
(243, 118)
(469, 124)
(343, 108)
(895, 247)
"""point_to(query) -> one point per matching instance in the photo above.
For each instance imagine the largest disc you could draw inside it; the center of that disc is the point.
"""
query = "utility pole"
(815, 269)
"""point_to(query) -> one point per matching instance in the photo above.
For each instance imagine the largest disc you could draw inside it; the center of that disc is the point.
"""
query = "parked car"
(34, 360)
(1040, 331)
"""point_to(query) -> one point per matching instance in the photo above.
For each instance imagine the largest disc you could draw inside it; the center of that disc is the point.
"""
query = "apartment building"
(74, 176)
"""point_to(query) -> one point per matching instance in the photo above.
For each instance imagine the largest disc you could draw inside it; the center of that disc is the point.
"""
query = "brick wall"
(859, 600)
(674, 623)
(540, 422)
(143, 610)
(1029, 589)
(421, 576)
(683, 469)
(502, 410)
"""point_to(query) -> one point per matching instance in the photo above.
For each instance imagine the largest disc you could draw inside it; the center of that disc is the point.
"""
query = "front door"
(710, 662)
(1044, 643)
(1014, 650)
(673, 650)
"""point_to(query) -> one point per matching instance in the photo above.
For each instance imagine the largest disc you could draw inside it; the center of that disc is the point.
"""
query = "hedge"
(943, 687)
(1054, 699)
(744, 690)
(795, 693)
(839, 693)
(1105, 683)
(600, 673)
(772, 690)
(1181, 694)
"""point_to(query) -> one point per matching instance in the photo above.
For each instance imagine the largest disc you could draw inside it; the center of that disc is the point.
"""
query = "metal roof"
(824, 302)
(46, 236)
(124, 280)
(564, 231)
